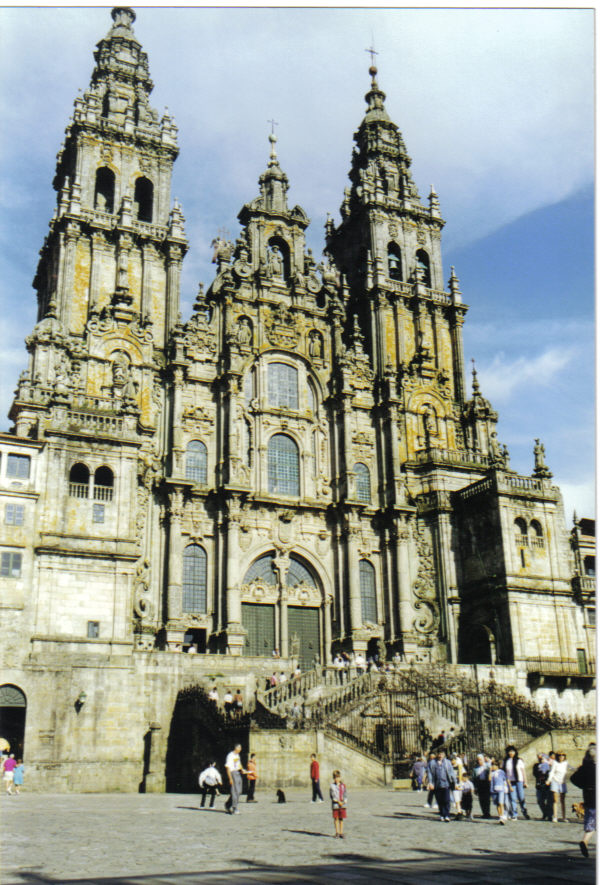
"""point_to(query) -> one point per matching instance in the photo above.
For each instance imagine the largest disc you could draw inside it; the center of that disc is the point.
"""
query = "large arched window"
(103, 484)
(536, 534)
(104, 192)
(283, 473)
(521, 531)
(367, 585)
(394, 262)
(194, 581)
(261, 570)
(79, 481)
(196, 461)
(422, 261)
(282, 386)
(362, 483)
(143, 197)
(298, 573)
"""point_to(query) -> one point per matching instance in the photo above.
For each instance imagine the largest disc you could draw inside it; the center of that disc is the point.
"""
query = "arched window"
(394, 262)
(282, 466)
(104, 192)
(367, 585)
(521, 532)
(362, 483)
(282, 386)
(196, 461)
(298, 573)
(422, 261)
(536, 534)
(103, 484)
(262, 570)
(79, 481)
(194, 580)
(143, 196)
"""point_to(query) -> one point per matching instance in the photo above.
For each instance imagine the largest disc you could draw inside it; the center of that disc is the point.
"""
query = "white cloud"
(500, 379)
(579, 497)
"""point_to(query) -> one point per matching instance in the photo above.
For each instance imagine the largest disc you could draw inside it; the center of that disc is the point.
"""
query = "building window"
(422, 264)
(591, 616)
(282, 386)
(143, 196)
(14, 514)
(104, 193)
(367, 584)
(10, 566)
(93, 629)
(196, 461)
(362, 483)
(589, 566)
(79, 481)
(194, 583)
(394, 262)
(298, 573)
(521, 532)
(261, 570)
(18, 466)
(98, 513)
(103, 484)
(282, 466)
(536, 534)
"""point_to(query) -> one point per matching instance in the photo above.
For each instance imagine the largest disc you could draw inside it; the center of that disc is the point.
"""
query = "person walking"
(458, 769)
(208, 781)
(251, 777)
(233, 767)
(540, 772)
(428, 781)
(8, 773)
(498, 789)
(417, 773)
(481, 784)
(442, 780)
(338, 797)
(467, 796)
(585, 779)
(515, 772)
(315, 788)
(556, 779)
(18, 776)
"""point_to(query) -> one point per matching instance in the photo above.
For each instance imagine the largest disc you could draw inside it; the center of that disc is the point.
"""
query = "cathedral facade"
(297, 467)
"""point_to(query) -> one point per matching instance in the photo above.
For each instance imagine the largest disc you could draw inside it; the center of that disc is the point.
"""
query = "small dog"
(281, 797)
(578, 809)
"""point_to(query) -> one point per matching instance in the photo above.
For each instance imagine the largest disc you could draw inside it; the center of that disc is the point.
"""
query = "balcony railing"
(560, 667)
(103, 493)
(78, 489)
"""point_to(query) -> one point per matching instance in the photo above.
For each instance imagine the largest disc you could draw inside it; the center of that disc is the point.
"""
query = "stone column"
(354, 591)
(97, 249)
(405, 601)
(235, 631)
(174, 563)
(65, 294)
(448, 575)
(327, 629)
(177, 442)
(154, 780)
(457, 345)
(281, 564)
(146, 291)
(174, 266)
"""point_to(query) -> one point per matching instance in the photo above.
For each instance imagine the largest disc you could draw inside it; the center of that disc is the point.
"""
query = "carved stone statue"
(540, 468)
(315, 345)
(245, 332)
(275, 264)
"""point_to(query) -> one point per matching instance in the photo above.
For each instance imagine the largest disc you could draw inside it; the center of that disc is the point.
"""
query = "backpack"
(578, 779)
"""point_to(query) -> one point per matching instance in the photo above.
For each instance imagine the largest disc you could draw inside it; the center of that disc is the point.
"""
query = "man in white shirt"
(234, 770)
(208, 781)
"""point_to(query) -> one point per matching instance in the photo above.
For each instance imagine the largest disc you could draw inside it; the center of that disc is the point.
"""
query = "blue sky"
(496, 109)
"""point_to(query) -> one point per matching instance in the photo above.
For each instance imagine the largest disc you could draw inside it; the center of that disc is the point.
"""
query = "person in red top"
(8, 771)
(251, 777)
(317, 797)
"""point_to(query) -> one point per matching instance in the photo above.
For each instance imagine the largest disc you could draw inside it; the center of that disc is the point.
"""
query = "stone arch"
(13, 712)
(144, 199)
(104, 190)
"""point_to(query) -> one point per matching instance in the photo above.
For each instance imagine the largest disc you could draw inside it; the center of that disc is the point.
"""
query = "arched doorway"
(13, 706)
(477, 645)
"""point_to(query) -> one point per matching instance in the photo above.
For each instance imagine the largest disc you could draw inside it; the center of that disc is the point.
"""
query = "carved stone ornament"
(259, 591)
(281, 328)
(424, 586)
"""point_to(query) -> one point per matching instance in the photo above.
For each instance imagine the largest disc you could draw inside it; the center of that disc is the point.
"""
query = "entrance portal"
(303, 632)
(259, 623)
(12, 718)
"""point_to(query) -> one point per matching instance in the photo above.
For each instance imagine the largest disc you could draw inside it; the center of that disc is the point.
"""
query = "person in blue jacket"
(441, 779)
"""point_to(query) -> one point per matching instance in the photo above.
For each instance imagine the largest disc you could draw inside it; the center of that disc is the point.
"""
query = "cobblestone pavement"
(168, 840)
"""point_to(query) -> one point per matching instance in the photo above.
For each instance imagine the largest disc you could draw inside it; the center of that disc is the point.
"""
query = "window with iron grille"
(362, 483)
(262, 570)
(299, 574)
(282, 386)
(196, 461)
(18, 466)
(282, 466)
(367, 584)
(14, 514)
(194, 583)
(10, 565)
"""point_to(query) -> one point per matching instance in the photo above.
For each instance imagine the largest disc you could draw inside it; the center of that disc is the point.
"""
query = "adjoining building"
(297, 468)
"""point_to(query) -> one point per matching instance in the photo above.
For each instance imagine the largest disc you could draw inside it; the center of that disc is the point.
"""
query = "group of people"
(211, 782)
(355, 663)
(13, 772)
(502, 784)
(233, 704)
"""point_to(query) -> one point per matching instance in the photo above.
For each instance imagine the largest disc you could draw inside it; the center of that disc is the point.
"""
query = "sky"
(496, 110)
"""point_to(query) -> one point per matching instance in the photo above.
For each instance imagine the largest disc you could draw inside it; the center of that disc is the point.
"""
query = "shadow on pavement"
(429, 867)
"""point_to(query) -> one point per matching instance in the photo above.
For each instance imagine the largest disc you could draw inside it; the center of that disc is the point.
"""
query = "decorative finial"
(273, 157)
(475, 382)
(372, 69)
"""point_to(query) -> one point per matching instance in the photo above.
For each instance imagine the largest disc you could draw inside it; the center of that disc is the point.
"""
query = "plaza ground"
(124, 839)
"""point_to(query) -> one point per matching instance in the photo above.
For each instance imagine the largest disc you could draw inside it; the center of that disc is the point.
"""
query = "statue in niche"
(429, 424)
(275, 264)
(495, 451)
(61, 387)
(120, 372)
(245, 332)
(315, 345)
(242, 265)
(122, 265)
